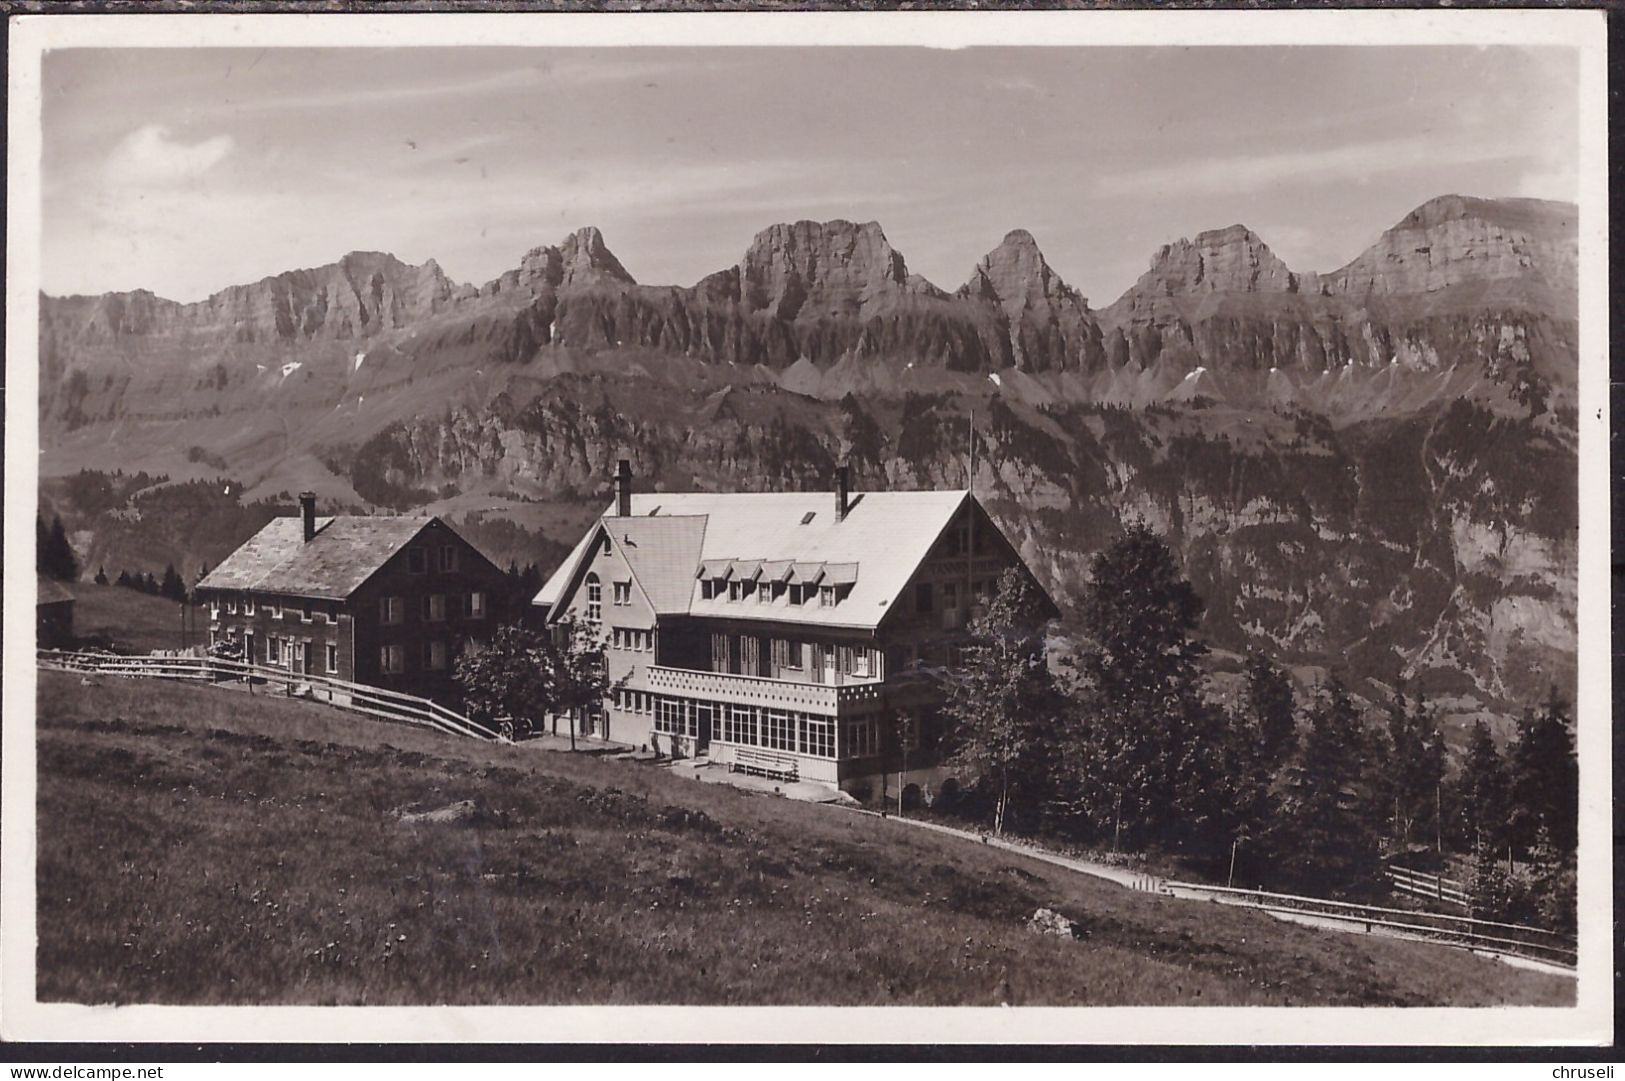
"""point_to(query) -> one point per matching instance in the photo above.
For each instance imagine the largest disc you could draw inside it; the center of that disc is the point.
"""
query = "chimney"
(307, 511)
(623, 488)
(843, 482)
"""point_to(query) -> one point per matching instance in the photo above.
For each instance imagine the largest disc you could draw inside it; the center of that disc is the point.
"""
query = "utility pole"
(1231, 881)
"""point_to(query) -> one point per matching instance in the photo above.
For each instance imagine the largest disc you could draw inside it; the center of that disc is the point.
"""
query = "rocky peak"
(1016, 277)
(586, 260)
(1456, 239)
(1229, 260)
(581, 259)
(829, 268)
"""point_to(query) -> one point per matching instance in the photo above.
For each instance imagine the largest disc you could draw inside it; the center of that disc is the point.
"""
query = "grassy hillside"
(200, 846)
(131, 620)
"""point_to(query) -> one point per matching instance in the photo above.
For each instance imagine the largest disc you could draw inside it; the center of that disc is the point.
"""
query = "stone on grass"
(1047, 921)
(454, 812)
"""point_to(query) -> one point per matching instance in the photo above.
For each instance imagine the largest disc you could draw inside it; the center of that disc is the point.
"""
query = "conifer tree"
(55, 556)
(1326, 837)
(1153, 762)
(1484, 791)
(1545, 780)
(101, 576)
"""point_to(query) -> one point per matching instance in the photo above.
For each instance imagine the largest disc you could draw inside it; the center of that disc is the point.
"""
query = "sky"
(184, 171)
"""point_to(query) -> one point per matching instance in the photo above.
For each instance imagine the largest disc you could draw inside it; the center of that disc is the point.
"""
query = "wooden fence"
(391, 705)
(1433, 887)
(1535, 943)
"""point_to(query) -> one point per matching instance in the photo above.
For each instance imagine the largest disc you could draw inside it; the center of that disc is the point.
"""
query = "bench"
(765, 763)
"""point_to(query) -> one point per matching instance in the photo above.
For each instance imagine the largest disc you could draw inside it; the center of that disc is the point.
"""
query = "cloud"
(1557, 182)
(1350, 163)
(149, 156)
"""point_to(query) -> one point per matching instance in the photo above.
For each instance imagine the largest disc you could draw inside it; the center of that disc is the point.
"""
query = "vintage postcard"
(1071, 527)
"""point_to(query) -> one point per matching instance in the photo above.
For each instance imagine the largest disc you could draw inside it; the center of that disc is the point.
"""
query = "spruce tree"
(1545, 780)
(1484, 791)
(172, 587)
(1326, 840)
(1152, 761)
(1271, 706)
(55, 557)
(101, 576)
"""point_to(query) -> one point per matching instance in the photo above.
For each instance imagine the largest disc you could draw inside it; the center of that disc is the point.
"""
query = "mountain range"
(1372, 466)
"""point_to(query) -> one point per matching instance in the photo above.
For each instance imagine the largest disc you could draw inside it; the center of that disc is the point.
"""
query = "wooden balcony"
(822, 698)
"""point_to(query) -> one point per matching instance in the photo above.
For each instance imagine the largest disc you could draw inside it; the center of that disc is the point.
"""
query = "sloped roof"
(50, 591)
(883, 539)
(346, 551)
(662, 552)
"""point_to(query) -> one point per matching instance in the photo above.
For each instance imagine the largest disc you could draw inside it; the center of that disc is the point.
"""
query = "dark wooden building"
(386, 601)
(53, 614)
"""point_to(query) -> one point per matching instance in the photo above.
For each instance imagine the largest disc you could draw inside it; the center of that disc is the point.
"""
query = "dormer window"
(826, 596)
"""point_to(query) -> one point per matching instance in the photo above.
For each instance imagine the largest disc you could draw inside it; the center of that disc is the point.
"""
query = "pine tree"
(172, 587)
(1545, 780)
(1150, 766)
(125, 580)
(101, 576)
(55, 556)
(1271, 707)
(1326, 836)
(1003, 704)
(1484, 791)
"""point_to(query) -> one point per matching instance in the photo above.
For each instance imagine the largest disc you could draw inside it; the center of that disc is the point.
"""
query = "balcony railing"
(760, 690)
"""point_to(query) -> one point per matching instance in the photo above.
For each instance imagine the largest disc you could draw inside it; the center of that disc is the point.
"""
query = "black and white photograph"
(1013, 515)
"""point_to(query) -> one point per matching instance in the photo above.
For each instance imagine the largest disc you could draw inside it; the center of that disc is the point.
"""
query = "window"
(778, 729)
(675, 716)
(950, 596)
(623, 593)
(391, 660)
(434, 656)
(739, 724)
(605, 547)
(595, 599)
(448, 557)
(922, 596)
(786, 653)
(721, 652)
(332, 657)
(273, 650)
(860, 662)
(476, 605)
(816, 735)
(248, 606)
(390, 610)
(276, 611)
(305, 613)
(214, 609)
(736, 590)
(764, 593)
(231, 607)
(826, 596)
(434, 608)
(417, 561)
(861, 739)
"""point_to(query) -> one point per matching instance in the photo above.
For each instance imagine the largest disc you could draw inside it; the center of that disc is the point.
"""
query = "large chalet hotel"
(795, 633)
